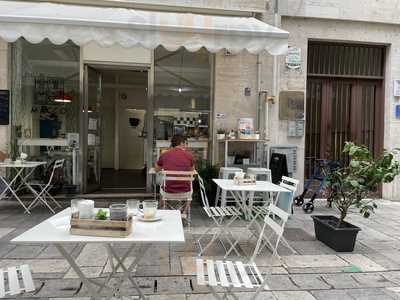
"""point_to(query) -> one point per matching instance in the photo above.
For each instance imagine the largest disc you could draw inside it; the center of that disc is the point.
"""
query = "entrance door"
(344, 100)
(91, 130)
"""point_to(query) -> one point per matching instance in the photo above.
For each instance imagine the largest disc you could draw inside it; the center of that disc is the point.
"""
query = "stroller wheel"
(308, 207)
(299, 200)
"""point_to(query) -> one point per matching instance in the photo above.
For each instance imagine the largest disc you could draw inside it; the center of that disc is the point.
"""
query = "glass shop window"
(182, 97)
(45, 101)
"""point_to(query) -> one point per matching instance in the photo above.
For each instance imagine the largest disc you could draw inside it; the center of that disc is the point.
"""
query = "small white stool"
(225, 173)
(263, 174)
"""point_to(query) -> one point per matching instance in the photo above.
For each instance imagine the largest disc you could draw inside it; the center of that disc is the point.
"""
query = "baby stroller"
(322, 168)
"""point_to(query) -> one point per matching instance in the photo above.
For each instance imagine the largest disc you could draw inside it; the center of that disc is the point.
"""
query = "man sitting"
(178, 158)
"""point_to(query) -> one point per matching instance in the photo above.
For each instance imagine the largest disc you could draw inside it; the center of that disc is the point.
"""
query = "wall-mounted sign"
(396, 88)
(293, 58)
(4, 107)
(398, 111)
(291, 105)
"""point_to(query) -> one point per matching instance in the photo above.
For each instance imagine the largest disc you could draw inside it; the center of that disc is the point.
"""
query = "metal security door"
(344, 100)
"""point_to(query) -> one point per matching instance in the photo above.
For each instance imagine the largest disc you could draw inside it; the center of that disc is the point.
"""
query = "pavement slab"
(316, 272)
(290, 295)
(313, 261)
(364, 263)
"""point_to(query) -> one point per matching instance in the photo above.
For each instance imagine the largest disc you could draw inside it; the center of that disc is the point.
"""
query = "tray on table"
(107, 228)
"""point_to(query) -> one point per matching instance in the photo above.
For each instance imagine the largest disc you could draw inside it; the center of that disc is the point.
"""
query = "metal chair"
(218, 215)
(260, 212)
(225, 173)
(44, 193)
(229, 275)
(180, 201)
(15, 281)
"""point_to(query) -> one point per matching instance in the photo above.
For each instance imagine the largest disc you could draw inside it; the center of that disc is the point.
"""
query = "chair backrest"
(289, 183)
(276, 220)
(203, 193)
(59, 163)
(187, 176)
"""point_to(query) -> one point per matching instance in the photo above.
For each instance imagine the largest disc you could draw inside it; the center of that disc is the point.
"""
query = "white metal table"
(244, 194)
(14, 186)
(55, 231)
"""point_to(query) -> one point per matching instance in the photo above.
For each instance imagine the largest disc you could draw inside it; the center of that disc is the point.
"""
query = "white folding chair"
(15, 281)
(180, 201)
(229, 275)
(218, 215)
(44, 193)
(260, 212)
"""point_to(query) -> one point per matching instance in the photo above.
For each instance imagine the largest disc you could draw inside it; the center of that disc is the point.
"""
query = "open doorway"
(121, 104)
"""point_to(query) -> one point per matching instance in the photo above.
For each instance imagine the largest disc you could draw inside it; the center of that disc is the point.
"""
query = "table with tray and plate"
(138, 233)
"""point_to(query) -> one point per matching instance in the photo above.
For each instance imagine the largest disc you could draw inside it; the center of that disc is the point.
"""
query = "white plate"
(155, 219)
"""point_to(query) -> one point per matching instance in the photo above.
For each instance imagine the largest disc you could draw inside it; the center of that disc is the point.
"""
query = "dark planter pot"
(340, 239)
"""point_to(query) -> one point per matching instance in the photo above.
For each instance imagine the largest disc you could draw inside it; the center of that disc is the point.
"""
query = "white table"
(55, 230)
(244, 194)
(12, 185)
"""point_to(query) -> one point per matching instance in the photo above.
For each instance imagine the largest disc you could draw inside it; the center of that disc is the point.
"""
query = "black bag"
(278, 167)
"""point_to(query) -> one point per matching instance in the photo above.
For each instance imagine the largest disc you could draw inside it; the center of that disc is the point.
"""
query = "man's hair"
(177, 139)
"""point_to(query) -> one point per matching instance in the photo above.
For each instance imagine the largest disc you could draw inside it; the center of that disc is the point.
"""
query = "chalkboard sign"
(4, 107)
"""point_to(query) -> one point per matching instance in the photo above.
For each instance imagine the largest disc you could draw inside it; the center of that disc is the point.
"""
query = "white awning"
(36, 21)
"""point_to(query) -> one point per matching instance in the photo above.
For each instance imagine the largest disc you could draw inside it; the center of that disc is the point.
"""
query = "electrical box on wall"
(295, 128)
(291, 105)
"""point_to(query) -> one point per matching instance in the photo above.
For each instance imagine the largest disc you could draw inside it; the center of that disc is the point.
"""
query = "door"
(340, 110)
(92, 129)
(344, 100)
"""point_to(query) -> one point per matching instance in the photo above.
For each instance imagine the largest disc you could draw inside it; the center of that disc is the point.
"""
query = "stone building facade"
(365, 21)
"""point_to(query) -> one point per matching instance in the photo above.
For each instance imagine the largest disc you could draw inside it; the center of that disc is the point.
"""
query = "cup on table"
(118, 212)
(74, 208)
(133, 206)
(149, 209)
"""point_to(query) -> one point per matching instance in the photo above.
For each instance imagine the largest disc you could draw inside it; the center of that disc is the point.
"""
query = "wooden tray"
(245, 181)
(106, 228)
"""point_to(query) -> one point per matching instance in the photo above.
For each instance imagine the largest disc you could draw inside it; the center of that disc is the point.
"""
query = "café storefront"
(106, 88)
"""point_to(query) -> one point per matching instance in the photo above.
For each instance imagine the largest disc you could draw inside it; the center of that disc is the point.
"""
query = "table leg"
(127, 271)
(88, 283)
(14, 194)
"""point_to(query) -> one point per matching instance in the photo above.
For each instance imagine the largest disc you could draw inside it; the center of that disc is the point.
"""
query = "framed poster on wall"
(4, 107)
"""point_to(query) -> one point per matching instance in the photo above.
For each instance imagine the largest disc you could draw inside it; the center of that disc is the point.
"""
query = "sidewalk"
(372, 271)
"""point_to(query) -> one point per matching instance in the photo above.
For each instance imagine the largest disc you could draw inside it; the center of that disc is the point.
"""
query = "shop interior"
(48, 117)
(117, 100)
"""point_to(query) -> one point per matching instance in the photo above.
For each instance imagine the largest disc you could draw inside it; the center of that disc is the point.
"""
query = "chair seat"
(228, 274)
(259, 210)
(19, 280)
(176, 196)
(228, 211)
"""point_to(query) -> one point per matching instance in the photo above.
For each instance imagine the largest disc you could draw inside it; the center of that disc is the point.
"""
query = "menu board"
(4, 107)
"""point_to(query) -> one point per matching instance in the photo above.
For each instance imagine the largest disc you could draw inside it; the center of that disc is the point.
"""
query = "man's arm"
(157, 168)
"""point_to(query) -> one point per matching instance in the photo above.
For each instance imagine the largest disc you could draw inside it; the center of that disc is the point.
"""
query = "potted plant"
(221, 134)
(353, 186)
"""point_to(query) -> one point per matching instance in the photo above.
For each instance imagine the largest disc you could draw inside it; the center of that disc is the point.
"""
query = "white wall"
(382, 11)
(130, 147)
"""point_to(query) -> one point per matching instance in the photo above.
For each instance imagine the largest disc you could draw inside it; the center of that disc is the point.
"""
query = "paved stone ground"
(372, 271)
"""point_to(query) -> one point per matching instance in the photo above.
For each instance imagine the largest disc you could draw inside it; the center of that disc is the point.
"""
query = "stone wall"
(382, 11)
(301, 30)
(239, 6)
